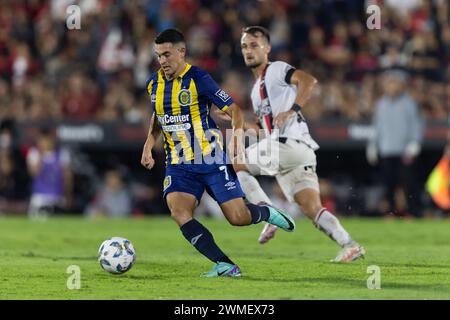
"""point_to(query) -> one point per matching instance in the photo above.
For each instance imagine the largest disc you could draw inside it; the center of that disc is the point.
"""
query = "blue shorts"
(221, 184)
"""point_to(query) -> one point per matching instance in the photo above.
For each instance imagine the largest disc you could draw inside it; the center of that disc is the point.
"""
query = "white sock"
(330, 225)
(253, 191)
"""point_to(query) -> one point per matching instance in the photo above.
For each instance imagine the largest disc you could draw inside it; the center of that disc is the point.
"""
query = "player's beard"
(253, 65)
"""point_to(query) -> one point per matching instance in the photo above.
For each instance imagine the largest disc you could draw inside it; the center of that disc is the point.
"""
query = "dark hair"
(254, 30)
(170, 35)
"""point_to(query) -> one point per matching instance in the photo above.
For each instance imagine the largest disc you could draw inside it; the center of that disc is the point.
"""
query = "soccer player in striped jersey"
(182, 96)
(278, 95)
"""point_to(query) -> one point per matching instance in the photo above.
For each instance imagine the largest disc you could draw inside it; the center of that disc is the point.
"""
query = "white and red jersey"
(280, 97)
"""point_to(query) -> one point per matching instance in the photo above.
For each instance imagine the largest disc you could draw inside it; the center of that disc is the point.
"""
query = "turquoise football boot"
(223, 269)
(280, 219)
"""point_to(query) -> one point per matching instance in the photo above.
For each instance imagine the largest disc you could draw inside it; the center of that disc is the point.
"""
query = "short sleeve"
(149, 84)
(149, 88)
(209, 88)
(281, 71)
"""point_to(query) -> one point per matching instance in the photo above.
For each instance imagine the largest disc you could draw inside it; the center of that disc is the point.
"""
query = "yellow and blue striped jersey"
(182, 107)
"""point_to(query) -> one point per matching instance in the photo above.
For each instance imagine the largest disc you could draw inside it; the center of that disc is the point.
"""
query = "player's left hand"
(147, 160)
(281, 118)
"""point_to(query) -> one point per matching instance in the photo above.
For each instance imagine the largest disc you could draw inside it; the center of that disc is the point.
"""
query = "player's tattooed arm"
(237, 116)
(153, 134)
(305, 85)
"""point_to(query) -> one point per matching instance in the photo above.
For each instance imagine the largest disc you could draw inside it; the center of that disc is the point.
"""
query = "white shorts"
(292, 163)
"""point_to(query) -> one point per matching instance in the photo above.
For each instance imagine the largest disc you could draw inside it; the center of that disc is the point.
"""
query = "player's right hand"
(281, 119)
(147, 160)
(219, 114)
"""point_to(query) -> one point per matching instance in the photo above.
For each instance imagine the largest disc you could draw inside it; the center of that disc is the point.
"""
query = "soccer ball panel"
(116, 255)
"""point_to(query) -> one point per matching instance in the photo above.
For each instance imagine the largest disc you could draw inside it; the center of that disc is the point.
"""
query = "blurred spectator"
(398, 134)
(147, 200)
(13, 180)
(337, 52)
(6, 135)
(49, 167)
(404, 6)
(69, 74)
(13, 185)
(115, 54)
(80, 100)
(112, 198)
(393, 57)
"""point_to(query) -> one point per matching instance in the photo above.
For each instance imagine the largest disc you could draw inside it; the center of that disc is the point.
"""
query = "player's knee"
(310, 208)
(309, 202)
(239, 217)
(180, 215)
(237, 221)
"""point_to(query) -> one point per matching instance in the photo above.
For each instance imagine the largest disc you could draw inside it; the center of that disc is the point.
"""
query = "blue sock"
(259, 213)
(203, 241)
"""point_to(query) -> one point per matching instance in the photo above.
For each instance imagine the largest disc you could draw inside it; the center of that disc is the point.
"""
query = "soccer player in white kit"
(277, 96)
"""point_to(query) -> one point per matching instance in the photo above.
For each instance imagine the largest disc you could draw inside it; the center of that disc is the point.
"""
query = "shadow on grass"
(31, 254)
(146, 277)
(411, 265)
(341, 282)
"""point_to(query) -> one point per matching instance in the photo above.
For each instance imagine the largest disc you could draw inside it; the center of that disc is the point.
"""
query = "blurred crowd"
(99, 71)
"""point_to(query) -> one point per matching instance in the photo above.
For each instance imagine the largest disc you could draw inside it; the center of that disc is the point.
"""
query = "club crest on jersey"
(184, 97)
(167, 182)
(153, 98)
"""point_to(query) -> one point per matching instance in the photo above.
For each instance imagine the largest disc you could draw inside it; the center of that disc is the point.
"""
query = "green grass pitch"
(413, 257)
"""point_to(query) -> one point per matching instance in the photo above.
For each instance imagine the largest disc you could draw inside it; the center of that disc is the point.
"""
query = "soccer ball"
(116, 255)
